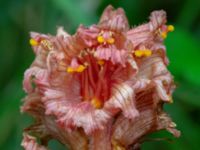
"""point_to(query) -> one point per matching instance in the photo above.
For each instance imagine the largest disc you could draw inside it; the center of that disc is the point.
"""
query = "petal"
(145, 33)
(114, 19)
(83, 115)
(62, 32)
(35, 75)
(154, 70)
(157, 19)
(29, 143)
(122, 98)
(88, 35)
(71, 46)
(33, 105)
(101, 139)
(139, 35)
(103, 53)
(127, 131)
(165, 122)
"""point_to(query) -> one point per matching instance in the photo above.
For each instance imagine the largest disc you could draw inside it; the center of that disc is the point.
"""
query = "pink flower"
(101, 88)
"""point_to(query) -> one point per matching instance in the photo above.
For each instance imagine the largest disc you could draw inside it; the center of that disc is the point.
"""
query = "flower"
(103, 86)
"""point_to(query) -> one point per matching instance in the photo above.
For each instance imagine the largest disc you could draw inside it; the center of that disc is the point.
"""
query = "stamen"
(138, 53)
(141, 53)
(79, 69)
(170, 28)
(33, 42)
(100, 39)
(147, 52)
(111, 40)
(96, 103)
(70, 70)
(164, 35)
(100, 62)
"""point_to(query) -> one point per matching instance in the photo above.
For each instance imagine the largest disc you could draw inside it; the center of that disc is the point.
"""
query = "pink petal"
(83, 115)
(29, 143)
(101, 139)
(145, 33)
(36, 75)
(123, 98)
(114, 19)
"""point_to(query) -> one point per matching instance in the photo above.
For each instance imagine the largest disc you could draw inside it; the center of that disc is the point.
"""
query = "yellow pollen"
(111, 40)
(138, 53)
(170, 28)
(79, 69)
(96, 103)
(147, 52)
(100, 62)
(100, 39)
(70, 70)
(33, 42)
(164, 35)
(141, 53)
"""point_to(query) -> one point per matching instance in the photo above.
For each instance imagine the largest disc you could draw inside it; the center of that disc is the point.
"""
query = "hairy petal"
(82, 115)
(123, 98)
(29, 143)
(35, 75)
(145, 33)
(101, 139)
(114, 19)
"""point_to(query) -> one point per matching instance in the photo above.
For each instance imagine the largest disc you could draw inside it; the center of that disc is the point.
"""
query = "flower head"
(106, 80)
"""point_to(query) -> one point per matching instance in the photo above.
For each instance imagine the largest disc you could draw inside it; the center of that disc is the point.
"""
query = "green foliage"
(19, 17)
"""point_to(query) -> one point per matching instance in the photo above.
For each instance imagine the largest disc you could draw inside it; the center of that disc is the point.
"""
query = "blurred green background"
(19, 17)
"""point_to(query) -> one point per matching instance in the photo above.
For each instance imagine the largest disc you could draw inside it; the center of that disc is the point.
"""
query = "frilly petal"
(88, 36)
(157, 18)
(112, 53)
(114, 19)
(62, 32)
(101, 139)
(123, 98)
(146, 33)
(83, 115)
(33, 105)
(29, 143)
(153, 69)
(35, 75)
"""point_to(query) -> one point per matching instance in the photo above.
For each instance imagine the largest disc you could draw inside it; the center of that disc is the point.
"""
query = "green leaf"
(184, 55)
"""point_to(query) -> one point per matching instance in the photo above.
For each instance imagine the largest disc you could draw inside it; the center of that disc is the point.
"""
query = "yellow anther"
(96, 103)
(147, 52)
(100, 62)
(139, 53)
(170, 28)
(164, 35)
(70, 70)
(80, 68)
(111, 40)
(33, 42)
(100, 39)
